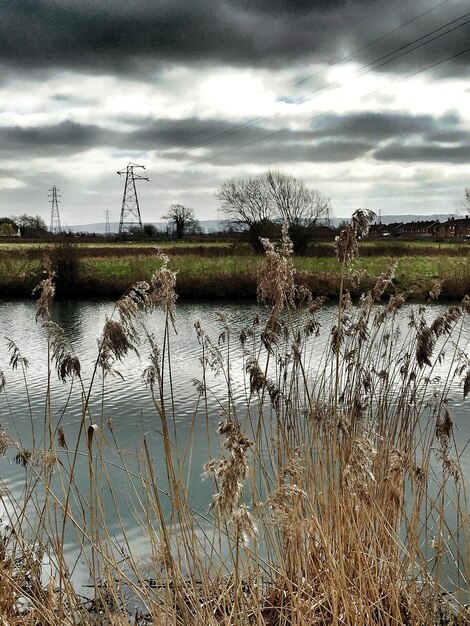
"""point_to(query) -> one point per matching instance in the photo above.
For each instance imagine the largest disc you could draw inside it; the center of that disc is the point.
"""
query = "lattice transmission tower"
(107, 227)
(55, 217)
(130, 211)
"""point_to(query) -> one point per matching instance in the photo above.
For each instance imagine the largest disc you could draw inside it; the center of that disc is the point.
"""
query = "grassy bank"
(338, 494)
(107, 271)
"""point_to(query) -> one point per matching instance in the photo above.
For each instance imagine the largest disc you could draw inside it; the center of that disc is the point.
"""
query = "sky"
(365, 100)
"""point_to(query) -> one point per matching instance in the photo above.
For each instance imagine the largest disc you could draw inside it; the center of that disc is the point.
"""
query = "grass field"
(215, 271)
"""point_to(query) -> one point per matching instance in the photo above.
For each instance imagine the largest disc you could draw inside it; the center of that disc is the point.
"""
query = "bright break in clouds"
(367, 101)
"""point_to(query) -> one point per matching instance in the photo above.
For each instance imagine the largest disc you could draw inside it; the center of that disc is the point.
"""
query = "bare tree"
(182, 219)
(245, 205)
(300, 207)
(464, 205)
(257, 203)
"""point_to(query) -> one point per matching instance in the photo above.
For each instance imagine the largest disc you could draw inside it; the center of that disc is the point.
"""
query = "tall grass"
(338, 496)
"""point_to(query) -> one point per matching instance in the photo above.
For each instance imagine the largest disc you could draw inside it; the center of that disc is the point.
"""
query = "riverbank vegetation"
(338, 493)
(224, 270)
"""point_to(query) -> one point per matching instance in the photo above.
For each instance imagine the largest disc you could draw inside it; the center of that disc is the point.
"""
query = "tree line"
(28, 225)
(254, 205)
(258, 205)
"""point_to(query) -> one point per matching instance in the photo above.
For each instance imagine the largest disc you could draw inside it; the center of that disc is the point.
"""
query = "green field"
(220, 270)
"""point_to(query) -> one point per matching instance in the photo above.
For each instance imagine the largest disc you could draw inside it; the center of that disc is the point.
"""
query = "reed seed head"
(384, 281)
(276, 274)
(48, 459)
(444, 427)
(67, 364)
(346, 246)
(244, 524)
(436, 290)
(443, 323)
(466, 304)
(230, 471)
(16, 358)
(5, 442)
(466, 383)
(113, 345)
(46, 291)
(347, 241)
(163, 291)
(425, 342)
(23, 457)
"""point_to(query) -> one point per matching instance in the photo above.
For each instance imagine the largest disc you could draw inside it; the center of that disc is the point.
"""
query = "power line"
(318, 115)
(372, 65)
(368, 67)
(372, 43)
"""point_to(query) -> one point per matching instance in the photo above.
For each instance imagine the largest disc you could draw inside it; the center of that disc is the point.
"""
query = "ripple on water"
(128, 401)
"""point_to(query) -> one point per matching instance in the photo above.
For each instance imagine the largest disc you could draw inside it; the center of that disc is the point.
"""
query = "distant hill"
(217, 225)
(100, 227)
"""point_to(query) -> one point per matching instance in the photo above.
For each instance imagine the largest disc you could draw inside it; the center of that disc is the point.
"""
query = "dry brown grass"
(333, 486)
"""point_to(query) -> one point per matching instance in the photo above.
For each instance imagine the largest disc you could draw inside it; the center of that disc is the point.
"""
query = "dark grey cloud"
(332, 138)
(64, 138)
(378, 125)
(282, 154)
(174, 138)
(105, 36)
(119, 36)
(450, 137)
(459, 154)
(227, 142)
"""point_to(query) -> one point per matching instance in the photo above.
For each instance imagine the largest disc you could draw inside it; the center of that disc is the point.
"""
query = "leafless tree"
(257, 203)
(182, 219)
(464, 205)
(300, 207)
(245, 204)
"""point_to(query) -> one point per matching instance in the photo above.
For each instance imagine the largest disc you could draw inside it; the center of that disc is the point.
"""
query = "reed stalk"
(338, 492)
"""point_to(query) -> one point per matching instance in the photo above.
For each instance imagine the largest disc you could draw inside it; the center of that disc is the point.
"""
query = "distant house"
(323, 232)
(377, 230)
(455, 228)
(418, 230)
(384, 230)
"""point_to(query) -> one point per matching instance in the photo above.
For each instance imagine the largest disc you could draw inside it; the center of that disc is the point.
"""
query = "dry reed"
(332, 489)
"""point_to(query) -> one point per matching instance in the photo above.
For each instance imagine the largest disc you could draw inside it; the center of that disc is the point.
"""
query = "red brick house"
(455, 228)
(418, 230)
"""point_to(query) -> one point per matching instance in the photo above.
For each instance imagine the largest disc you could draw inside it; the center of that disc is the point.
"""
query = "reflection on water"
(127, 401)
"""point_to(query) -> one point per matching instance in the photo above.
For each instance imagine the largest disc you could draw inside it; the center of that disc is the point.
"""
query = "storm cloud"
(341, 93)
(459, 154)
(121, 36)
(333, 138)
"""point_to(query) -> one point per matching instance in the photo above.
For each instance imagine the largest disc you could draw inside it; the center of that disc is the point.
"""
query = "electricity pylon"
(107, 227)
(55, 218)
(130, 203)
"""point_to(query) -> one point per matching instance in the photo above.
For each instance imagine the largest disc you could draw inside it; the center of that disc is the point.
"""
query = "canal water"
(124, 400)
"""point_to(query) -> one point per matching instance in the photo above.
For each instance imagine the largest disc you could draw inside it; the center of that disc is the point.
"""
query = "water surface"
(127, 399)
